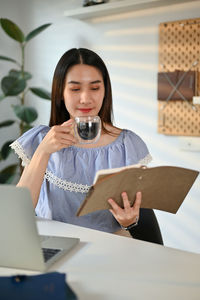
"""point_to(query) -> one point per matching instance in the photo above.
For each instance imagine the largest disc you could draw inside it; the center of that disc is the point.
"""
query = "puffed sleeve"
(136, 149)
(26, 144)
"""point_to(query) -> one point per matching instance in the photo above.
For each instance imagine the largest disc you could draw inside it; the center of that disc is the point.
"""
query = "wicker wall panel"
(179, 49)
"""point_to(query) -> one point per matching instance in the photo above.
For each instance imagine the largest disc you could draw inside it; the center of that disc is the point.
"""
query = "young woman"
(59, 171)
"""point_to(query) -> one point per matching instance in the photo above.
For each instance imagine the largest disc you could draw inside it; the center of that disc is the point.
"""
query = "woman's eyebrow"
(96, 81)
(74, 82)
(77, 82)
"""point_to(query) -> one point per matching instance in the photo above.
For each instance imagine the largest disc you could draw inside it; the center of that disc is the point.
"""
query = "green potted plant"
(15, 84)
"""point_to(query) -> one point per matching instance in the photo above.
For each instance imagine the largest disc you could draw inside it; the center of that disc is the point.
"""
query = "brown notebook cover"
(162, 188)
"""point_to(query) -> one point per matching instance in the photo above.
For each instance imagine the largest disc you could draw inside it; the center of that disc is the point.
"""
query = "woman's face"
(84, 91)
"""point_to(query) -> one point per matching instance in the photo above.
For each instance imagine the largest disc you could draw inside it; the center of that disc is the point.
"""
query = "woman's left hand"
(129, 214)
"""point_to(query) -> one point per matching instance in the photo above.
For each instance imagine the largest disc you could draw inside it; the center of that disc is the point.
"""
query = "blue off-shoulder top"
(70, 173)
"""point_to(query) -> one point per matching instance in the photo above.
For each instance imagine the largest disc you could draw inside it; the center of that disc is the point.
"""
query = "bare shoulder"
(113, 130)
(110, 136)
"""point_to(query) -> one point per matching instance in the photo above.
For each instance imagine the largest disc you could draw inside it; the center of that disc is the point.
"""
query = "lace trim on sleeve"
(61, 183)
(20, 152)
(144, 161)
(66, 185)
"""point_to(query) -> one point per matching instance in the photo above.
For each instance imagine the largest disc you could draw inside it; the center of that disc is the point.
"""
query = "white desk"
(109, 267)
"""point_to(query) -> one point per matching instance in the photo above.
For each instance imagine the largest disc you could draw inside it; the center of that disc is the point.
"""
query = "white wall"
(128, 43)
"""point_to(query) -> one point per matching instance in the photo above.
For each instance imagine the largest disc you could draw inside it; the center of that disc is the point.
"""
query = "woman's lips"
(85, 110)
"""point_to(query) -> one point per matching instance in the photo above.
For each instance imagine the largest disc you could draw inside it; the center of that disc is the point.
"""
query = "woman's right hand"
(58, 137)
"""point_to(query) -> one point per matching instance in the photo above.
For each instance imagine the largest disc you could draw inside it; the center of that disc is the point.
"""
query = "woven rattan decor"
(179, 49)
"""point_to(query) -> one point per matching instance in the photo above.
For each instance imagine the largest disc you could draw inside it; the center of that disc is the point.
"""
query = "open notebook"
(21, 246)
(163, 187)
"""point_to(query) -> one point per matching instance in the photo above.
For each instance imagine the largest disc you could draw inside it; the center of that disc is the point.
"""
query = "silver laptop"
(20, 245)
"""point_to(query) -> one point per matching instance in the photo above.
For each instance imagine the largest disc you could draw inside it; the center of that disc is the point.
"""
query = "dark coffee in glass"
(87, 129)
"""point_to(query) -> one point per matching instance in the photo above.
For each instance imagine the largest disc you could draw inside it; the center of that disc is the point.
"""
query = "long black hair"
(59, 113)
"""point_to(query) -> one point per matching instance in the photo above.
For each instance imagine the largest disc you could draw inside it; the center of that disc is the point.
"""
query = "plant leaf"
(7, 175)
(25, 113)
(6, 150)
(2, 97)
(8, 58)
(12, 30)
(20, 75)
(36, 31)
(7, 123)
(40, 92)
(26, 127)
(12, 86)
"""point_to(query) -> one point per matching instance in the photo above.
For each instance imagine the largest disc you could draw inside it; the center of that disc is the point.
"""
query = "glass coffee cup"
(87, 129)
